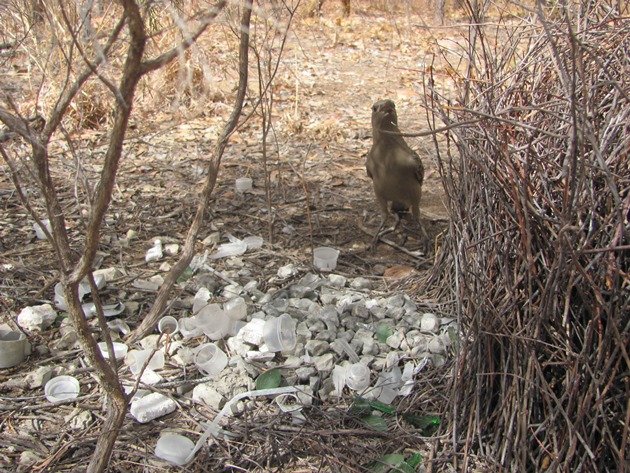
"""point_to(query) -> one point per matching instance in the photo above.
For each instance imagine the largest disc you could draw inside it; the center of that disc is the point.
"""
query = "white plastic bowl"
(120, 350)
(62, 388)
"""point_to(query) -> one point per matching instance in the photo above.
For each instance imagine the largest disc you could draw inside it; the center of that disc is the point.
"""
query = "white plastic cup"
(210, 359)
(136, 358)
(243, 184)
(358, 376)
(325, 258)
(168, 325)
(62, 388)
(174, 448)
(120, 350)
(279, 333)
(13, 348)
(213, 321)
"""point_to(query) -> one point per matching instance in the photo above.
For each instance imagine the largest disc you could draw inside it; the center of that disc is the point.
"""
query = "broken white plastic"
(120, 350)
(236, 247)
(213, 429)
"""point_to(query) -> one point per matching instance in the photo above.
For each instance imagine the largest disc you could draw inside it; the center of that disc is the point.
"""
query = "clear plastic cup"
(174, 448)
(62, 388)
(120, 350)
(168, 325)
(135, 359)
(325, 258)
(213, 321)
(279, 333)
(358, 376)
(243, 184)
(210, 359)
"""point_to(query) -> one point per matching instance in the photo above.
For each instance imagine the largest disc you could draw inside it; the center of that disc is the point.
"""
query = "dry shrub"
(538, 256)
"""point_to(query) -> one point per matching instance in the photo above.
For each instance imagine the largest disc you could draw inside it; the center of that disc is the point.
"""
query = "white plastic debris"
(236, 247)
(253, 242)
(151, 407)
(39, 233)
(36, 317)
(155, 252)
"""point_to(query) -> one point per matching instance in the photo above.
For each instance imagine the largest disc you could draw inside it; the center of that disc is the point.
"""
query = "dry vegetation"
(536, 180)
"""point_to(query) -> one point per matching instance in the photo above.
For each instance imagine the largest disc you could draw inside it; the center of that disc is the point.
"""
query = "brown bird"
(396, 170)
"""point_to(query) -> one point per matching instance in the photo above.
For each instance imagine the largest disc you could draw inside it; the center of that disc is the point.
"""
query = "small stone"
(252, 332)
(326, 335)
(262, 356)
(436, 345)
(37, 317)
(429, 323)
(237, 345)
(337, 280)
(79, 419)
(39, 377)
(305, 372)
(207, 394)
(325, 362)
(171, 249)
(395, 340)
(292, 362)
(378, 312)
(360, 310)
(317, 347)
(28, 458)
(396, 313)
(397, 300)
(287, 271)
(391, 359)
(165, 267)
(361, 283)
(212, 239)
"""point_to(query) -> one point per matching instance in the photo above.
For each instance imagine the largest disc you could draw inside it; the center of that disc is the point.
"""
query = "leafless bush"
(538, 256)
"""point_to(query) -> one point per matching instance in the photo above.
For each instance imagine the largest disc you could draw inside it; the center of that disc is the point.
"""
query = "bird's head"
(384, 116)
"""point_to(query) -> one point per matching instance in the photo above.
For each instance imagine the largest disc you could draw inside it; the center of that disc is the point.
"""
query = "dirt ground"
(331, 72)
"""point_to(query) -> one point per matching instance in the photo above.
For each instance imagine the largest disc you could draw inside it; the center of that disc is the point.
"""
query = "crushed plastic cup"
(13, 348)
(279, 333)
(62, 388)
(210, 359)
(135, 359)
(213, 321)
(243, 184)
(168, 325)
(120, 350)
(236, 308)
(174, 448)
(358, 376)
(325, 258)
(188, 327)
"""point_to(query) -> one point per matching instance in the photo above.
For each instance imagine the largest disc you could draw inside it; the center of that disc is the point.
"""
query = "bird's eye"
(374, 108)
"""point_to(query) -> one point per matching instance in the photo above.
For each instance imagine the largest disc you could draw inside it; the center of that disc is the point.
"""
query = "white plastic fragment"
(155, 252)
(236, 247)
(39, 233)
(151, 407)
(253, 242)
